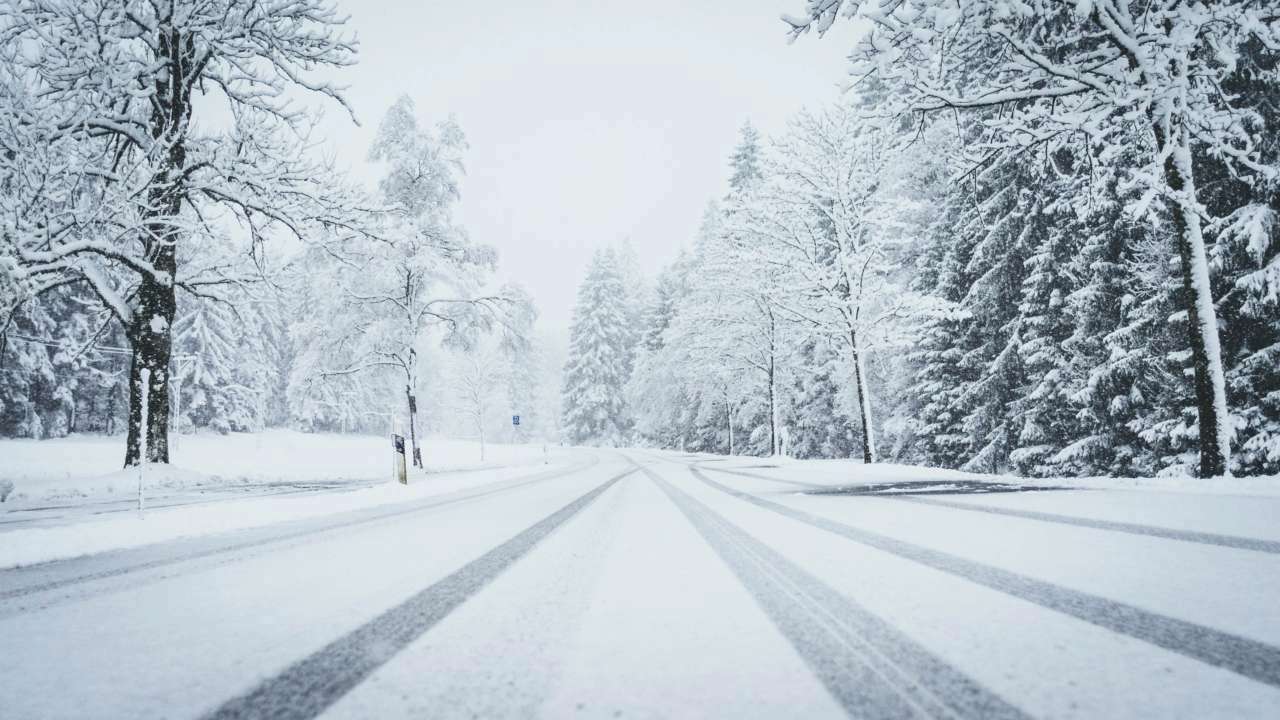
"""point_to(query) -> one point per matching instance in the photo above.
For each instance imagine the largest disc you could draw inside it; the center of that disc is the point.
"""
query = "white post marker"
(401, 469)
(142, 437)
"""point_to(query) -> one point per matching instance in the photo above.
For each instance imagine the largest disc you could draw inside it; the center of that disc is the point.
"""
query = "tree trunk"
(149, 334)
(864, 403)
(1202, 320)
(413, 431)
(150, 327)
(773, 410)
(729, 421)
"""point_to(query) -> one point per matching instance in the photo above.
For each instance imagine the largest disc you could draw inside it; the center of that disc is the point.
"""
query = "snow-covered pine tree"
(656, 393)
(746, 160)
(1245, 259)
(594, 408)
(820, 424)
(1050, 73)
(1111, 377)
(1015, 225)
(1047, 421)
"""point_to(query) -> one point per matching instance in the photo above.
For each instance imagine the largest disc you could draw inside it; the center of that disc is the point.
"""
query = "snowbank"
(85, 466)
(854, 472)
(69, 501)
(131, 529)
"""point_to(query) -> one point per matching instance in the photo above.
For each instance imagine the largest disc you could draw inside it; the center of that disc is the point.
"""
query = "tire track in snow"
(1204, 538)
(870, 668)
(1230, 541)
(1243, 656)
(309, 686)
(44, 577)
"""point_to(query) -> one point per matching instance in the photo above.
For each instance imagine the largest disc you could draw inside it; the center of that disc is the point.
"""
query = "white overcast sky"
(589, 122)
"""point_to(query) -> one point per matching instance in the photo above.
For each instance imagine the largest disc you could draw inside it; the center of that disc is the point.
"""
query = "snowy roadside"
(131, 529)
(837, 473)
(298, 476)
(81, 468)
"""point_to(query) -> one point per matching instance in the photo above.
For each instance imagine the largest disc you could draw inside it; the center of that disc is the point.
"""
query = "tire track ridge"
(870, 668)
(1243, 656)
(311, 685)
(365, 516)
(1238, 542)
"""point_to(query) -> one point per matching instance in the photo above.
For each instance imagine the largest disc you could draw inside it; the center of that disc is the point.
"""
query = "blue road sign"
(515, 419)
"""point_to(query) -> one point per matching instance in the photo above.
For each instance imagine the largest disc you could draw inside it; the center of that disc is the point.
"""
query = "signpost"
(401, 471)
(515, 420)
(142, 436)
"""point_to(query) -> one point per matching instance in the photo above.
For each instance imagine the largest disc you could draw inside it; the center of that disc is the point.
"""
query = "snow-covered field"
(82, 466)
(67, 503)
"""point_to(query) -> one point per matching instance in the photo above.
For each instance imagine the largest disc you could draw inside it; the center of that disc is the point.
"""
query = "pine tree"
(820, 424)
(593, 401)
(745, 161)
(1047, 423)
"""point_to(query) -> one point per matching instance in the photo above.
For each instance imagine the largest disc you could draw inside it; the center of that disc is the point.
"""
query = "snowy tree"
(636, 288)
(830, 220)
(418, 273)
(595, 373)
(732, 327)
(522, 360)
(655, 392)
(821, 426)
(476, 379)
(1041, 74)
(110, 172)
(746, 159)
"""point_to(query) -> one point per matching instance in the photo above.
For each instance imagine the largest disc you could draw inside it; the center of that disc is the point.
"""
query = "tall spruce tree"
(594, 376)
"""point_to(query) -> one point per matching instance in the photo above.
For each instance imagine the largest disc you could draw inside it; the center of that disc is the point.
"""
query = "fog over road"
(643, 584)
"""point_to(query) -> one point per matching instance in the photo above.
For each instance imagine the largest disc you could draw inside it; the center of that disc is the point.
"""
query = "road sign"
(397, 441)
(515, 419)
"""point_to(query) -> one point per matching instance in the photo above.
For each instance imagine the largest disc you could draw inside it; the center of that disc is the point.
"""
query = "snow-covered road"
(639, 584)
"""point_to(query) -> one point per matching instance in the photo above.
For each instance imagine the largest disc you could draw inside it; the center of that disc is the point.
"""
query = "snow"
(171, 644)
(1048, 664)
(631, 609)
(244, 481)
(84, 466)
(607, 617)
(835, 473)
